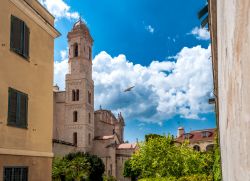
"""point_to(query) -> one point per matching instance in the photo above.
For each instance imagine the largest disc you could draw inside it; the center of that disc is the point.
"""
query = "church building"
(77, 127)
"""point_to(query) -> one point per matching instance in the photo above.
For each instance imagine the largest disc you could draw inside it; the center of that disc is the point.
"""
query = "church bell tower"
(79, 109)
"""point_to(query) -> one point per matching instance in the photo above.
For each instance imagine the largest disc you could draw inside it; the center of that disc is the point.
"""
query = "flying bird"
(129, 89)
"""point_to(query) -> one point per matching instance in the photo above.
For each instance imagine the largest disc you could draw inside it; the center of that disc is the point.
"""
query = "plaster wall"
(233, 27)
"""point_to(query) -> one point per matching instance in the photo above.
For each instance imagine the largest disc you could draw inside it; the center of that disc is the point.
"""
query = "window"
(89, 118)
(75, 116)
(75, 50)
(73, 95)
(90, 53)
(77, 95)
(210, 147)
(205, 134)
(19, 37)
(18, 108)
(187, 135)
(75, 139)
(89, 97)
(196, 148)
(89, 138)
(15, 174)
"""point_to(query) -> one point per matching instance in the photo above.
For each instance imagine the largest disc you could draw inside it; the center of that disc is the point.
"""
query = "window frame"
(24, 48)
(17, 123)
(12, 172)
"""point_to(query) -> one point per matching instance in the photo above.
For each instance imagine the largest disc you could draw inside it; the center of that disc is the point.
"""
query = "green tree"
(160, 157)
(59, 169)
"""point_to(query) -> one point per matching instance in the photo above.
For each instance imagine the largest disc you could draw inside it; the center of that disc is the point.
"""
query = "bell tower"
(79, 97)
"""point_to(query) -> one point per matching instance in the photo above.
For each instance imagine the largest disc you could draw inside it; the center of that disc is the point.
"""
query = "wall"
(233, 28)
(33, 77)
(61, 150)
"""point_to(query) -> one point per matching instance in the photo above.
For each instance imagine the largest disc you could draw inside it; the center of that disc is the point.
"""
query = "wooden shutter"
(23, 109)
(12, 112)
(26, 38)
(16, 34)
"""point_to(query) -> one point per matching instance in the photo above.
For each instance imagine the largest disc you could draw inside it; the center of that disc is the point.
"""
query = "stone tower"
(79, 97)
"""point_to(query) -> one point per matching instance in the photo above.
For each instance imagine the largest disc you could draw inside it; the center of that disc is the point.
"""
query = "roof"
(126, 146)
(198, 136)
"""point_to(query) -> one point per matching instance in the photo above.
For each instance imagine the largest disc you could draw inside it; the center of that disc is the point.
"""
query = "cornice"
(36, 17)
(4, 151)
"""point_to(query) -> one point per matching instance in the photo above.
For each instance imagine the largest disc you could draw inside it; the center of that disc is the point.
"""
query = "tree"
(160, 157)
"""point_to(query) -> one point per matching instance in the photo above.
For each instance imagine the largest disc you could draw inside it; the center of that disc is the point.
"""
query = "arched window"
(75, 50)
(75, 116)
(73, 95)
(89, 138)
(89, 97)
(89, 118)
(196, 148)
(77, 95)
(75, 138)
(210, 147)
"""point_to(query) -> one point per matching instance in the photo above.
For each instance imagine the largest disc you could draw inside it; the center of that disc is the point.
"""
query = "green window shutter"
(12, 111)
(26, 38)
(16, 34)
(23, 110)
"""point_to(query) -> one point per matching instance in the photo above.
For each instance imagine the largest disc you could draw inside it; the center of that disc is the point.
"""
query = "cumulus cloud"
(59, 9)
(60, 70)
(162, 90)
(201, 33)
(150, 29)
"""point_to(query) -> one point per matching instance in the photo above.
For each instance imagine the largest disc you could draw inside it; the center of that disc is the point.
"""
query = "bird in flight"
(129, 89)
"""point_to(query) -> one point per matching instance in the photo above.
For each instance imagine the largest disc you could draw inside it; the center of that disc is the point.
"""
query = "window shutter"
(12, 111)
(16, 34)
(26, 39)
(23, 110)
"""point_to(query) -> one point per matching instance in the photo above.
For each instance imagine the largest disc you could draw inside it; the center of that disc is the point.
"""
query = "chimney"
(180, 132)
(56, 88)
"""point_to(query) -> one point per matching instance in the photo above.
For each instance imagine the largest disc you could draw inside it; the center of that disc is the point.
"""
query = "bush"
(78, 166)
(185, 178)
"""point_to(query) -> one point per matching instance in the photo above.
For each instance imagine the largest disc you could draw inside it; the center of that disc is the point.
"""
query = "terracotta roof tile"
(126, 146)
(197, 136)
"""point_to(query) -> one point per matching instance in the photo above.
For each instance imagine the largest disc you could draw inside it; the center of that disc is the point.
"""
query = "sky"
(157, 46)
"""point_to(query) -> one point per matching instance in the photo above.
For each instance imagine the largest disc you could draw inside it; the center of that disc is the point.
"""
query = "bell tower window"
(73, 95)
(75, 50)
(77, 95)
(90, 53)
(89, 97)
(75, 116)
(75, 138)
(89, 118)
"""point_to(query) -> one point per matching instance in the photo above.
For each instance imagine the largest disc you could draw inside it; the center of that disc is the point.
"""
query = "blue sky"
(128, 36)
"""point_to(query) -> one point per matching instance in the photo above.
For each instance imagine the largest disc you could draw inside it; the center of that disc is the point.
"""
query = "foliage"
(152, 136)
(217, 162)
(108, 178)
(78, 166)
(159, 157)
(185, 178)
(129, 172)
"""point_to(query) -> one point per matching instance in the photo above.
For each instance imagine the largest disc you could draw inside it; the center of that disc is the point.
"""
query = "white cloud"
(150, 29)
(60, 70)
(59, 9)
(162, 89)
(200, 33)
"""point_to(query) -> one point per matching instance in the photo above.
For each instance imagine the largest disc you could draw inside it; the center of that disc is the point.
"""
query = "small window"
(210, 147)
(75, 50)
(19, 37)
(77, 95)
(89, 138)
(75, 116)
(75, 139)
(205, 134)
(15, 173)
(89, 97)
(90, 53)
(73, 95)
(17, 109)
(89, 118)
(187, 135)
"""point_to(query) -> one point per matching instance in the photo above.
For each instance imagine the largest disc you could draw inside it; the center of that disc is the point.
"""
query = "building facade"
(199, 140)
(229, 28)
(26, 107)
(77, 127)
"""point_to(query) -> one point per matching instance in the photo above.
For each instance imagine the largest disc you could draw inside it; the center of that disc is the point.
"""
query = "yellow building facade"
(27, 36)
